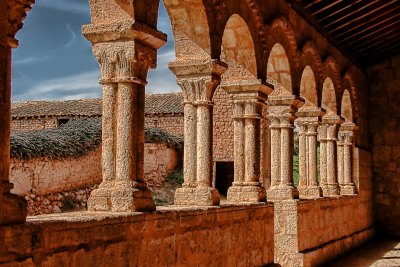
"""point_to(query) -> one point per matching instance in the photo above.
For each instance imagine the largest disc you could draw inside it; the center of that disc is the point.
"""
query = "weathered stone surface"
(226, 235)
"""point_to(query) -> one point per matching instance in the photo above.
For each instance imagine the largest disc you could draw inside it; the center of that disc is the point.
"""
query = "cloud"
(72, 87)
(73, 36)
(81, 7)
(30, 60)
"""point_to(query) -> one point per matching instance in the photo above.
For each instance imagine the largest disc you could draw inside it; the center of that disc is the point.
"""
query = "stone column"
(281, 110)
(308, 121)
(248, 101)
(13, 208)
(327, 138)
(100, 199)
(198, 81)
(346, 136)
(125, 59)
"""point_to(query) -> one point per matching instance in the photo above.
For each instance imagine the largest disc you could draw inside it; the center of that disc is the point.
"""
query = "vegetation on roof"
(74, 139)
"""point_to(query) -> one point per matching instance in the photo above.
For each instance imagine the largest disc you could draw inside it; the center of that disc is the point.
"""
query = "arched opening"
(78, 88)
(238, 52)
(329, 96)
(308, 88)
(278, 68)
(347, 110)
(238, 49)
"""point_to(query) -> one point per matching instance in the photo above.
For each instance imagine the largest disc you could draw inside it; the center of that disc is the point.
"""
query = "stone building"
(330, 66)
(164, 111)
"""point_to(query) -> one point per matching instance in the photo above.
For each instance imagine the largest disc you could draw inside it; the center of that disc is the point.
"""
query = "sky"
(54, 60)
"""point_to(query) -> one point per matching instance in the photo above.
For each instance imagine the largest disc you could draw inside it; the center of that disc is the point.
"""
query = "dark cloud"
(54, 55)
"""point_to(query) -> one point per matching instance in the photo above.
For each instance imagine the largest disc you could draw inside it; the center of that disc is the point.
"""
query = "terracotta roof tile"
(155, 104)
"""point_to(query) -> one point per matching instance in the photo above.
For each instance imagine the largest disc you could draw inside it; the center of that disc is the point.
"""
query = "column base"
(310, 192)
(252, 194)
(199, 196)
(13, 209)
(282, 193)
(348, 189)
(330, 190)
(127, 198)
(100, 199)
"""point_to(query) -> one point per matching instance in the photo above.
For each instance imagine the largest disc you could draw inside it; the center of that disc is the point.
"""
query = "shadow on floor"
(377, 253)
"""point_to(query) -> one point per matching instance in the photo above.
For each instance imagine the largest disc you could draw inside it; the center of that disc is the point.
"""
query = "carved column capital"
(124, 61)
(16, 12)
(198, 79)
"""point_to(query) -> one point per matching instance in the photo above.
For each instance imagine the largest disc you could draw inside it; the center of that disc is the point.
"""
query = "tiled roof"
(155, 104)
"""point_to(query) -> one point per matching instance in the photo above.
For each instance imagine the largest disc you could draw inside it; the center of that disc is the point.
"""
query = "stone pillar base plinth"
(348, 189)
(13, 209)
(253, 194)
(184, 196)
(100, 199)
(128, 198)
(199, 196)
(330, 190)
(310, 192)
(282, 193)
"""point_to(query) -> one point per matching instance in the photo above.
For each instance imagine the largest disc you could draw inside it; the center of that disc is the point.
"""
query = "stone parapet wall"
(384, 113)
(311, 232)
(33, 124)
(225, 236)
(171, 123)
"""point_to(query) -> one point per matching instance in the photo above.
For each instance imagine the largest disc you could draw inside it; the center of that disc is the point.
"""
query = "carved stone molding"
(16, 13)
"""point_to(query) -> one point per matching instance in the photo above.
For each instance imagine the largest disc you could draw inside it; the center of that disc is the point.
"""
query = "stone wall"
(224, 236)
(33, 124)
(171, 123)
(43, 176)
(384, 112)
(311, 232)
(47, 184)
(222, 126)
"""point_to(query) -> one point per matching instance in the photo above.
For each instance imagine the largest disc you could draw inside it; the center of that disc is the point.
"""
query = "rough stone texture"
(66, 201)
(171, 123)
(226, 236)
(222, 126)
(44, 176)
(33, 124)
(311, 232)
(384, 99)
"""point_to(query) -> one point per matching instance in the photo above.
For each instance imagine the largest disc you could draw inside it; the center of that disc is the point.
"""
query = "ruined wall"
(171, 123)
(222, 126)
(33, 124)
(224, 236)
(43, 176)
(159, 160)
(311, 232)
(384, 113)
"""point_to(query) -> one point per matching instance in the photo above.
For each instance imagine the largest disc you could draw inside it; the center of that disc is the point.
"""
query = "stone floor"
(377, 253)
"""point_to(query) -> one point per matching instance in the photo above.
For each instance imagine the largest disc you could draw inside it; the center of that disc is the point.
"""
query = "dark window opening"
(62, 121)
(224, 172)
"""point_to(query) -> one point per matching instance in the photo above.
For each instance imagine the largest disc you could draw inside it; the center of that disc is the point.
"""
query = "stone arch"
(310, 57)
(249, 11)
(308, 87)
(328, 101)
(331, 70)
(280, 31)
(349, 84)
(278, 68)
(346, 106)
(191, 29)
(238, 49)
